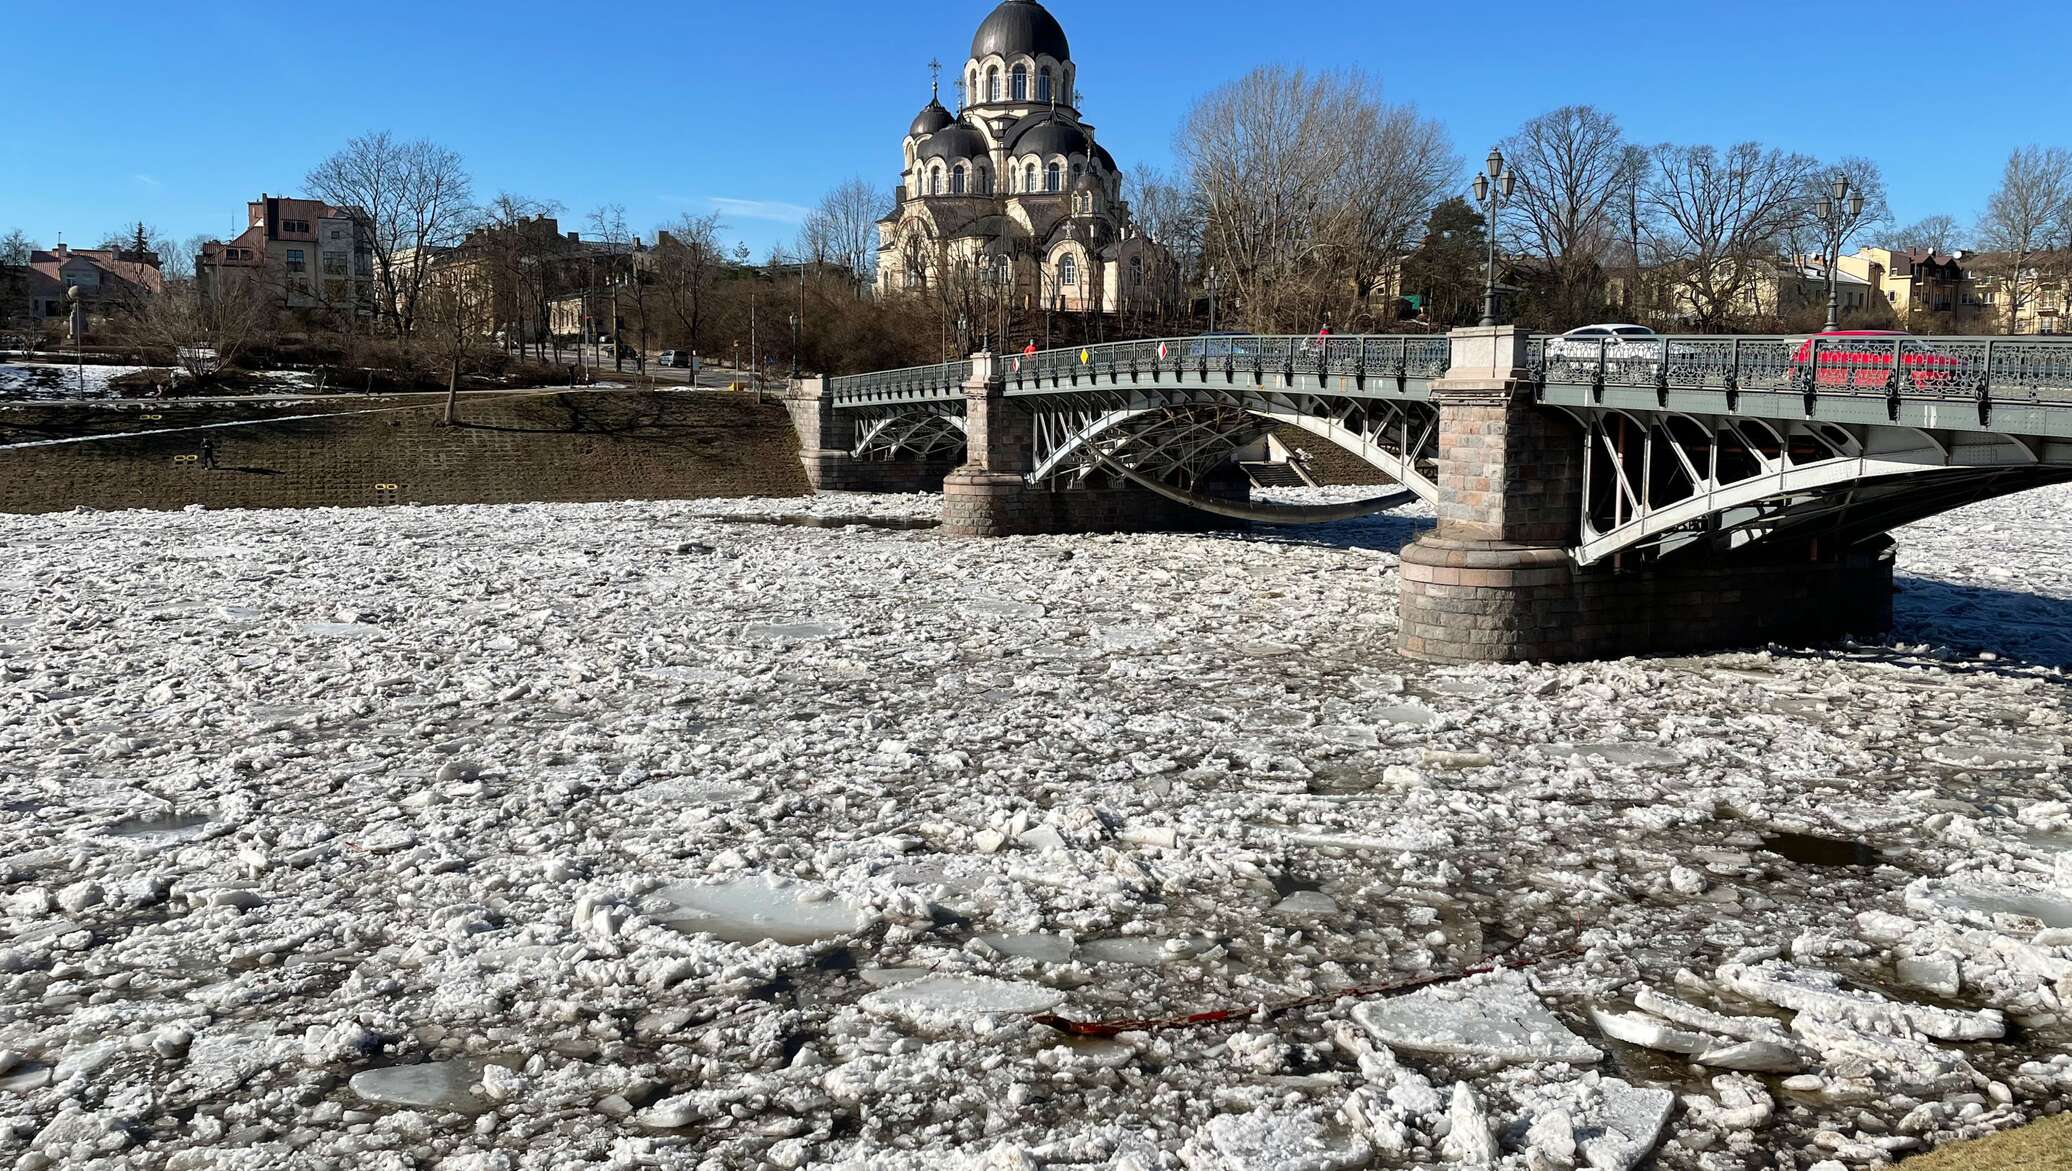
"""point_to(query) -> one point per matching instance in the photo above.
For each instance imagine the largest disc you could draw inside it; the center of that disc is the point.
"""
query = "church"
(1012, 191)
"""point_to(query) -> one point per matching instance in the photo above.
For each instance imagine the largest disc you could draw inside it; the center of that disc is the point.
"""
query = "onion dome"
(1021, 27)
(956, 141)
(933, 117)
(1049, 136)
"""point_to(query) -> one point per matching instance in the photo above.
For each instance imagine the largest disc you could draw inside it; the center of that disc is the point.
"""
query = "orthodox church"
(1013, 189)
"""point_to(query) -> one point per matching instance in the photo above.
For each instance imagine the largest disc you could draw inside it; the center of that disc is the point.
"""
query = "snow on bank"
(625, 835)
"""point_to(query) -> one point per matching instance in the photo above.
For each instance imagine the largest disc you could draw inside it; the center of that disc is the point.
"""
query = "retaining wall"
(380, 450)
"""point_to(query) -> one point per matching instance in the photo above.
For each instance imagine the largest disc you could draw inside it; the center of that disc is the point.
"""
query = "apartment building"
(315, 258)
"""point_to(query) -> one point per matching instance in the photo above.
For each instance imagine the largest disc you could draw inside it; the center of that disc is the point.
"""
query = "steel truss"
(923, 431)
(1177, 436)
(1658, 482)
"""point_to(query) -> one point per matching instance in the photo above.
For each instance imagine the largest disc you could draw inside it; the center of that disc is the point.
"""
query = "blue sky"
(177, 111)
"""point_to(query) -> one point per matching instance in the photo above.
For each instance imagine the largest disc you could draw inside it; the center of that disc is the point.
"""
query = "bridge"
(1594, 498)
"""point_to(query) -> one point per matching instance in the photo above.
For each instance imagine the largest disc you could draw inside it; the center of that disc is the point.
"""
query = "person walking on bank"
(208, 453)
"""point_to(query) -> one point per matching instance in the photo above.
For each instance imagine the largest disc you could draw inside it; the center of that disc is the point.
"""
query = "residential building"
(315, 258)
(1924, 290)
(107, 279)
(1012, 191)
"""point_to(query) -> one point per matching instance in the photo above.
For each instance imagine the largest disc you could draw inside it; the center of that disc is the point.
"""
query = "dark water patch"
(1815, 850)
(802, 521)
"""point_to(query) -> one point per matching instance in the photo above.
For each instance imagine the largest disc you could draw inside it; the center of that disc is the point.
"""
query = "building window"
(985, 181)
(1053, 178)
(957, 180)
(296, 261)
(334, 264)
(300, 227)
(1043, 88)
(1021, 83)
(935, 181)
(1068, 273)
(993, 85)
(1029, 181)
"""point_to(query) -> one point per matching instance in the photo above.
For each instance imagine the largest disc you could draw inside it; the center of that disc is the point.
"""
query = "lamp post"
(1837, 215)
(1491, 190)
(794, 345)
(1212, 298)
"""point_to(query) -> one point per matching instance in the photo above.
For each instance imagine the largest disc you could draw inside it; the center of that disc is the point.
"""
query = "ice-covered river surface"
(617, 836)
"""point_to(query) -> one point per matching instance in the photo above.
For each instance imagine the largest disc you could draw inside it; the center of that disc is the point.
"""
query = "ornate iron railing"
(1975, 369)
(1233, 357)
(895, 385)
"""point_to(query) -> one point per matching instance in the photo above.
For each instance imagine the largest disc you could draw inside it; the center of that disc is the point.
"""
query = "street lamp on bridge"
(1490, 191)
(1837, 216)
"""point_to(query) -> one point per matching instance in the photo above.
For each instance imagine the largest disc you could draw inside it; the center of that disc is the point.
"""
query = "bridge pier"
(827, 445)
(1496, 581)
(991, 496)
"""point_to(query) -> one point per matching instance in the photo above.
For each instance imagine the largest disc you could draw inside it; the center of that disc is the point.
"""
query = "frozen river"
(629, 835)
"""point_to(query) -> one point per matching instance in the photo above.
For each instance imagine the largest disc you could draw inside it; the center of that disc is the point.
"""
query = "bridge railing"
(894, 385)
(1984, 370)
(1255, 357)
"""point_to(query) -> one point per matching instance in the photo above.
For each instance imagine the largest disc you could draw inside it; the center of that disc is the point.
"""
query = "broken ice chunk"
(1495, 1016)
(940, 1003)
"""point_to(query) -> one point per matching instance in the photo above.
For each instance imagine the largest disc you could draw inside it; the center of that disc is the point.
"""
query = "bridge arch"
(1661, 482)
(1183, 434)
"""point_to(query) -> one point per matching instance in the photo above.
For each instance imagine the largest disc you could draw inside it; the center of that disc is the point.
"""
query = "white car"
(1615, 342)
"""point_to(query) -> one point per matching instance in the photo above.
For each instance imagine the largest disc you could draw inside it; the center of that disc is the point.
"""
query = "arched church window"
(1020, 83)
(1029, 183)
(957, 180)
(935, 181)
(993, 84)
(1052, 180)
(1068, 272)
(1043, 86)
(985, 181)
(971, 87)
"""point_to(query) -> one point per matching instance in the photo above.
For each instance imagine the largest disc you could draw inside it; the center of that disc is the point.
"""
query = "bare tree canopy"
(206, 334)
(1719, 218)
(687, 262)
(843, 230)
(412, 199)
(1311, 189)
(1938, 234)
(1575, 172)
(2027, 218)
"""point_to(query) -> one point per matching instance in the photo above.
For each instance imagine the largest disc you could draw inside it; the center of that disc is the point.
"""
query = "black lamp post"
(1490, 191)
(1837, 216)
(1212, 298)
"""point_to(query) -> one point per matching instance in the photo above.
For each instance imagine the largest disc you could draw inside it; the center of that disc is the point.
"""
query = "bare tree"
(608, 228)
(2029, 217)
(1310, 188)
(205, 333)
(847, 221)
(457, 300)
(1938, 234)
(687, 262)
(1576, 173)
(413, 200)
(1719, 219)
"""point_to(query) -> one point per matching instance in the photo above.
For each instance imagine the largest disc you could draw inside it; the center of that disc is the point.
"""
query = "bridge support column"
(990, 496)
(1496, 583)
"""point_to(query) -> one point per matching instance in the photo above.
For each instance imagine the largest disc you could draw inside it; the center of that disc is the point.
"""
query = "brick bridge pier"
(1496, 582)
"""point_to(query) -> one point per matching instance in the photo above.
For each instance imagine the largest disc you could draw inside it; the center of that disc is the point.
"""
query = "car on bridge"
(1218, 346)
(1628, 353)
(1862, 359)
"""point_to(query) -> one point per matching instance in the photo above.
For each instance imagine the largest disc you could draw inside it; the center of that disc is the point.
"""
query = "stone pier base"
(1482, 602)
(979, 504)
(839, 471)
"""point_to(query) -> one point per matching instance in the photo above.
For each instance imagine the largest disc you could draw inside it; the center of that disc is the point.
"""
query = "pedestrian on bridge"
(208, 453)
